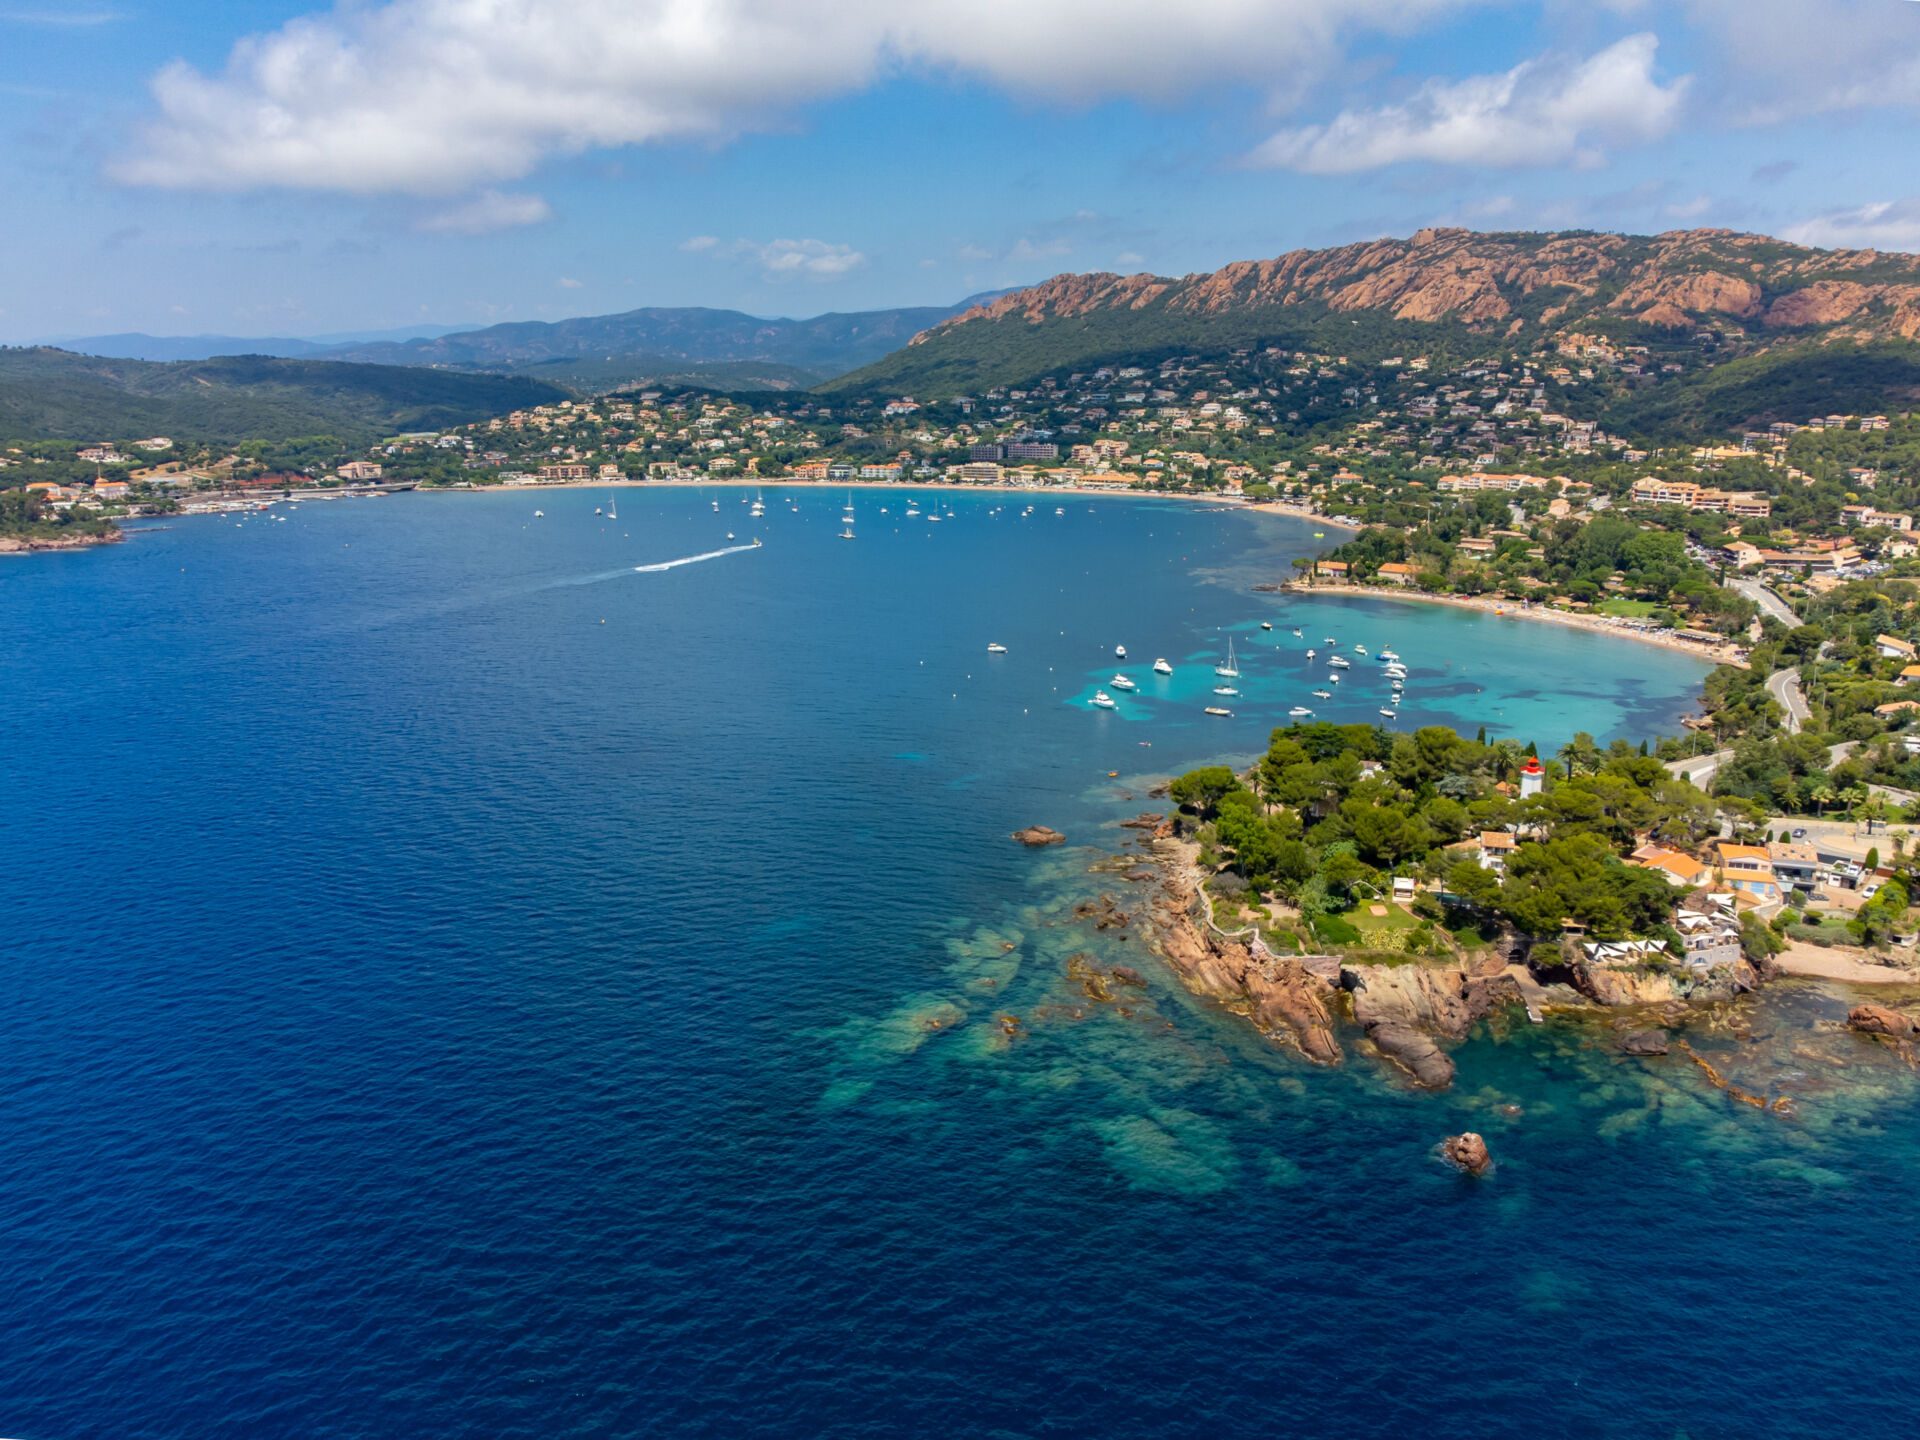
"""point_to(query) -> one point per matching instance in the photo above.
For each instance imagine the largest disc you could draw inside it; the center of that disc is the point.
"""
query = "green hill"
(50, 394)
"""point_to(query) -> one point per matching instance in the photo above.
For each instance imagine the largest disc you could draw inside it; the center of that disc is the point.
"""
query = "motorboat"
(1221, 711)
(1389, 655)
(1266, 624)
(996, 648)
(1119, 652)
(1299, 711)
(1121, 682)
(1390, 714)
(1340, 662)
(1104, 701)
(1359, 649)
(1161, 667)
(1225, 690)
(1323, 694)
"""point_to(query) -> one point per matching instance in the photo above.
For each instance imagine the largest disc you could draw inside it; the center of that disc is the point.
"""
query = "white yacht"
(1225, 690)
(1161, 667)
(1310, 654)
(1340, 662)
(996, 648)
(1119, 652)
(1104, 701)
(539, 514)
(1323, 694)
(913, 511)
(1266, 624)
(1390, 714)
(1299, 711)
(1230, 670)
(1389, 655)
(1221, 711)
(1121, 682)
(1359, 649)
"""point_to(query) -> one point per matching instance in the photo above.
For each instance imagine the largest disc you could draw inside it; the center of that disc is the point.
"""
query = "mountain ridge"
(1481, 289)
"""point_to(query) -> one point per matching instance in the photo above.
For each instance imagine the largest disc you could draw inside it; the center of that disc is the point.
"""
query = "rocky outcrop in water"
(1404, 1007)
(1039, 835)
(1878, 1020)
(1637, 985)
(1281, 998)
(1469, 1152)
(1414, 1052)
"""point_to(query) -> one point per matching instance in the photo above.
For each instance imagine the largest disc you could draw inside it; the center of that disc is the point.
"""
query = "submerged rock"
(1468, 1151)
(1414, 1052)
(1645, 1042)
(1038, 835)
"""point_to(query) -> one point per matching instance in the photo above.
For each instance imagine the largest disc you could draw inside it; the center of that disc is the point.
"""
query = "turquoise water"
(460, 985)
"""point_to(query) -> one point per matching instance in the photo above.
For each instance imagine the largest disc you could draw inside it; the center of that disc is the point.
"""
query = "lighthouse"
(1532, 777)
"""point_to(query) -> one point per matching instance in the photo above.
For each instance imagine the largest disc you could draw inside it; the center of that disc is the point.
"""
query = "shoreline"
(738, 482)
(1722, 654)
(42, 545)
(1810, 962)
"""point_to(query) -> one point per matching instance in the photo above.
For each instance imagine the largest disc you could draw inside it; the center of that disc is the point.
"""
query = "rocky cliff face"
(1521, 284)
(1634, 986)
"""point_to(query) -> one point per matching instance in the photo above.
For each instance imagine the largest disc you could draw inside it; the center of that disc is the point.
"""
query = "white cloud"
(699, 244)
(1129, 259)
(1542, 112)
(1777, 59)
(1049, 248)
(437, 96)
(808, 259)
(1883, 225)
(567, 282)
(487, 212)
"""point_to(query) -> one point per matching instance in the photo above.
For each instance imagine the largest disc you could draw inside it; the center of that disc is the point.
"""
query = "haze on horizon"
(267, 167)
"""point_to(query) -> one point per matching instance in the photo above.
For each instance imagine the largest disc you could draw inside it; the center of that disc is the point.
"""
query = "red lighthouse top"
(1532, 766)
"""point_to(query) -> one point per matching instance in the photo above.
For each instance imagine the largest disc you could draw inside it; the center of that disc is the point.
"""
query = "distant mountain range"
(1453, 290)
(48, 394)
(136, 346)
(597, 351)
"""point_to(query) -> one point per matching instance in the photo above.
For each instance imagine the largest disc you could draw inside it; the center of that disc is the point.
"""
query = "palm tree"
(1822, 796)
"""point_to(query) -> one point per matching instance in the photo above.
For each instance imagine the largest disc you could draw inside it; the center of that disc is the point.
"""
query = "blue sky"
(253, 168)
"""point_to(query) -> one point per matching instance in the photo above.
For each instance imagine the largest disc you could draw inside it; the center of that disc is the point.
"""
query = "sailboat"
(613, 509)
(1230, 670)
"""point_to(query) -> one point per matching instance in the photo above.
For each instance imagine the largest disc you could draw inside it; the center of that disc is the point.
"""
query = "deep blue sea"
(458, 984)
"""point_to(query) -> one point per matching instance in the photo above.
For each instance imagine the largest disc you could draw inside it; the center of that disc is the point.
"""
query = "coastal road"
(1700, 769)
(1784, 687)
(1768, 602)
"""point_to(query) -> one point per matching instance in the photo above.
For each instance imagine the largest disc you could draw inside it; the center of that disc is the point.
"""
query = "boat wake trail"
(693, 559)
(653, 569)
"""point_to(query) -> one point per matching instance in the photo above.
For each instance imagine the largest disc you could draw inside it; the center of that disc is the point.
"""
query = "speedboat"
(1104, 701)
(1119, 652)
(1334, 678)
(1121, 682)
(912, 512)
(1332, 641)
(1266, 624)
(1390, 714)
(1389, 655)
(1225, 690)
(1161, 667)
(1310, 654)
(729, 534)
(1323, 694)
(996, 648)
(1298, 711)
(1359, 649)
(539, 514)
(1221, 711)
(1340, 662)
(1296, 632)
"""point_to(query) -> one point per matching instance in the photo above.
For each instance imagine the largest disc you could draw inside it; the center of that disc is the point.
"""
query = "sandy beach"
(1817, 963)
(1723, 654)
